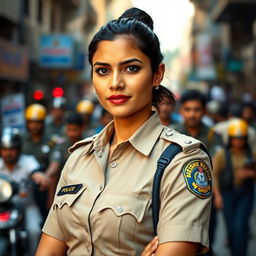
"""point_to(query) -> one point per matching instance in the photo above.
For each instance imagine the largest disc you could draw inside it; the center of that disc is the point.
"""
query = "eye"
(102, 71)
(132, 68)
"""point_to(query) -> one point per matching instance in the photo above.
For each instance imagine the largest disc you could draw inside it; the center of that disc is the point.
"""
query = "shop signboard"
(56, 51)
(14, 61)
(12, 111)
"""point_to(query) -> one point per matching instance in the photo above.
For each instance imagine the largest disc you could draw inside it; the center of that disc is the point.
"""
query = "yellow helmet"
(85, 107)
(238, 128)
(35, 112)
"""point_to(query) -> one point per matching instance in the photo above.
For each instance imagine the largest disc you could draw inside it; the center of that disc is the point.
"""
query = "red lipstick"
(118, 99)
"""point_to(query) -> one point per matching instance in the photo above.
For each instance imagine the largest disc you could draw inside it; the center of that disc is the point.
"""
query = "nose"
(116, 82)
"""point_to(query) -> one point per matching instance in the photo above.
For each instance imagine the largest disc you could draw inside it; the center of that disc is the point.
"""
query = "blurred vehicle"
(13, 235)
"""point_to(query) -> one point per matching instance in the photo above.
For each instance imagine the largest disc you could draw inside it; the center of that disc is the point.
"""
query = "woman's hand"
(150, 249)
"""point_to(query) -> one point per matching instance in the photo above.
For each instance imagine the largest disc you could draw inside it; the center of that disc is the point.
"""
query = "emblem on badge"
(198, 178)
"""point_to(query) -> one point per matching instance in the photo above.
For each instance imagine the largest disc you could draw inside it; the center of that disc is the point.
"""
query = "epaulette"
(186, 142)
(80, 143)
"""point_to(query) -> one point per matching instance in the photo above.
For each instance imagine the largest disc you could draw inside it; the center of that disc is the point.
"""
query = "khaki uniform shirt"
(104, 207)
(207, 135)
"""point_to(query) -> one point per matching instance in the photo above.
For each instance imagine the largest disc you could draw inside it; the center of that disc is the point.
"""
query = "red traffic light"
(38, 94)
(57, 92)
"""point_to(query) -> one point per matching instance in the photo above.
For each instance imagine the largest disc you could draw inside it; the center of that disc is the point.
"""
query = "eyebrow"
(122, 63)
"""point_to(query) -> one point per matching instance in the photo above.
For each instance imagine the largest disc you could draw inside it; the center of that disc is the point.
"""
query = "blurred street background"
(208, 45)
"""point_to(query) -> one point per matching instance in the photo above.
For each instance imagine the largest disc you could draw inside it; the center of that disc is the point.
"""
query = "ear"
(158, 75)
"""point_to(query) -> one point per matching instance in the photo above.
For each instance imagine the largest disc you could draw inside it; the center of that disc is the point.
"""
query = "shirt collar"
(143, 139)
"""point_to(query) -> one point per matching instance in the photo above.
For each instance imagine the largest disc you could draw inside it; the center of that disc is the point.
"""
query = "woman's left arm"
(170, 248)
(177, 248)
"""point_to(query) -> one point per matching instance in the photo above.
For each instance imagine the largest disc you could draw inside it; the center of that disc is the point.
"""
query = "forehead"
(119, 49)
(192, 103)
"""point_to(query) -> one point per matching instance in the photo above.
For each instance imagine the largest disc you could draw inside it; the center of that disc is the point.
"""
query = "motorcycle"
(13, 235)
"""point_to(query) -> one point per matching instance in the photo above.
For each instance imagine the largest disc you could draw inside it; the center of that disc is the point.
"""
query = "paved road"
(219, 247)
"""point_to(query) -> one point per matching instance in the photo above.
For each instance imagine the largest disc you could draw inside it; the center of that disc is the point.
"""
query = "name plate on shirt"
(70, 189)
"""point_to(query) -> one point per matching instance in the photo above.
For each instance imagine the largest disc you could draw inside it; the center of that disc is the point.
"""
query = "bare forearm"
(50, 246)
(177, 248)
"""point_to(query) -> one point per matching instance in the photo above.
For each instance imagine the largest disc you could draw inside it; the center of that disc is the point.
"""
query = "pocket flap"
(124, 204)
(68, 198)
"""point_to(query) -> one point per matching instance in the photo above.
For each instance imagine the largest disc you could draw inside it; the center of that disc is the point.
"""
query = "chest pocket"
(67, 199)
(121, 217)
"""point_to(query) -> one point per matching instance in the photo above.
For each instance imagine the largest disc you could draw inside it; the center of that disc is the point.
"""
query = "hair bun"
(138, 14)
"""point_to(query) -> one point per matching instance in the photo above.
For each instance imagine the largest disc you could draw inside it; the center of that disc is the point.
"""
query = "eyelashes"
(102, 71)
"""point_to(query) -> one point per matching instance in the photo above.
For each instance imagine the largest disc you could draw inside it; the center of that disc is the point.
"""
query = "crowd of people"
(134, 140)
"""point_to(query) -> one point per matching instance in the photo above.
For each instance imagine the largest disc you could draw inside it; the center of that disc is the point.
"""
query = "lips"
(119, 99)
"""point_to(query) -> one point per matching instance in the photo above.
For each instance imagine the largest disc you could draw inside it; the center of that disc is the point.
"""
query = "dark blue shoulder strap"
(169, 153)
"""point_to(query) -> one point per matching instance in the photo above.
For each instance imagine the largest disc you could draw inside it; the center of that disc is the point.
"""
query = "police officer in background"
(235, 172)
(56, 120)
(20, 167)
(35, 142)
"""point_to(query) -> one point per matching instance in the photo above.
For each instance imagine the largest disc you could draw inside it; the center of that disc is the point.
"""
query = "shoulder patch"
(186, 142)
(70, 189)
(198, 178)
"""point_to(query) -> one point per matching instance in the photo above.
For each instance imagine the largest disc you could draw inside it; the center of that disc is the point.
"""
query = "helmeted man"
(35, 142)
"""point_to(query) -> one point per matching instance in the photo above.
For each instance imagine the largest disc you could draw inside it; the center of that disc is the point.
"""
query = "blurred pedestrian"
(235, 173)
(192, 109)
(55, 121)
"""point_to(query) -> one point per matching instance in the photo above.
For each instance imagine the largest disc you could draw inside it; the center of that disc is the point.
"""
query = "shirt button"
(99, 153)
(188, 141)
(113, 164)
(169, 133)
(119, 208)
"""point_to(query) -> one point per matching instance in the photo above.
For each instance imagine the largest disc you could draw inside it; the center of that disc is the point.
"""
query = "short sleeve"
(186, 192)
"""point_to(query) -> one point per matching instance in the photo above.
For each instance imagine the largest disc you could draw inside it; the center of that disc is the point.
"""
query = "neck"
(36, 137)
(126, 127)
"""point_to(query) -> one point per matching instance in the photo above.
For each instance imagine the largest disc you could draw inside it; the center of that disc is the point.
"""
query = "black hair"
(193, 95)
(74, 118)
(160, 93)
(235, 110)
(250, 105)
(137, 24)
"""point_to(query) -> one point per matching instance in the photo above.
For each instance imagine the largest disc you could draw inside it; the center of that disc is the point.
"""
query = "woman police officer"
(103, 200)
